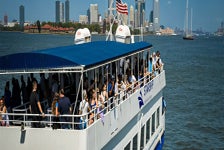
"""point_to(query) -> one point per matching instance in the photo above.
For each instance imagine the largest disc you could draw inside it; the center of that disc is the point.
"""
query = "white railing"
(21, 117)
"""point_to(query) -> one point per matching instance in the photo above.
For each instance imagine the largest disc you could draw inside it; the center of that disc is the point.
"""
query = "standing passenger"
(7, 97)
(83, 110)
(35, 106)
(24, 90)
(4, 119)
(64, 107)
(55, 112)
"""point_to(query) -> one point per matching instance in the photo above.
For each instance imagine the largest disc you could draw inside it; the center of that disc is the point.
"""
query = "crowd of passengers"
(98, 96)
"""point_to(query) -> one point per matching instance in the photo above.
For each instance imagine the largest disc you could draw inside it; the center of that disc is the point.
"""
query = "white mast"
(112, 19)
(186, 23)
(191, 21)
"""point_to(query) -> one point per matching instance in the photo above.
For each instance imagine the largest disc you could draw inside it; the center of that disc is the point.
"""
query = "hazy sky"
(207, 14)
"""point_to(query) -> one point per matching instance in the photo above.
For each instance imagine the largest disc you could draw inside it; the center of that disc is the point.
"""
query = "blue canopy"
(87, 55)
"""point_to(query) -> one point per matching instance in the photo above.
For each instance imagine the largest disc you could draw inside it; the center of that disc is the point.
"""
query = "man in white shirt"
(83, 110)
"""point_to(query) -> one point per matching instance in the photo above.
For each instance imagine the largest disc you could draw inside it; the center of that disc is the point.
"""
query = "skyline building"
(132, 16)
(83, 19)
(62, 12)
(57, 11)
(139, 13)
(156, 20)
(5, 19)
(21, 16)
(88, 14)
(93, 13)
(67, 9)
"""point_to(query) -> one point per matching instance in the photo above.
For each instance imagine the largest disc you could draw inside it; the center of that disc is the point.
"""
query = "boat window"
(142, 140)
(157, 118)
(135, 142)
(128, 147)
(153, 124)
(147, 130)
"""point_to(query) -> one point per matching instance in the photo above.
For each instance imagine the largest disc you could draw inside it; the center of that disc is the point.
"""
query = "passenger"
(131, 80)
(100, 109)
(91, 118)
(121, 86)
(64, 107)
(4, 119)
(105, 96)
(29, 87)
(83, 110)
(158, 66)
(86, 83)
(55, 112)
(93, 100)
(24, 91)
(54, 87)
(7, 97)
(150, 68)
(154, 61)
(16, 98)
(100, 82)
(160, 60)
(43, 89)
(35, 106)
(111, 91)
(91, 86)
(128, 86)
(110, 86)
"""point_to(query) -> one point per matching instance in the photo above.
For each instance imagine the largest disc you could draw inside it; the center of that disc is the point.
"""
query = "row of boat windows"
(147, 131)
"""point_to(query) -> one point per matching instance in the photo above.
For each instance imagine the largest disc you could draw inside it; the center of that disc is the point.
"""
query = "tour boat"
(135, 120)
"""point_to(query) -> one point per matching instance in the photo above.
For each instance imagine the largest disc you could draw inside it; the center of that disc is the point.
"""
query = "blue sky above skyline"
(207, 14)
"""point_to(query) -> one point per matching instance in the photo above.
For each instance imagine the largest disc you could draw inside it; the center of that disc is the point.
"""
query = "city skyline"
(207, 15)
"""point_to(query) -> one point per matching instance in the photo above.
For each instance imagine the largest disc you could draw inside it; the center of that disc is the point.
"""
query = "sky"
(207, 14)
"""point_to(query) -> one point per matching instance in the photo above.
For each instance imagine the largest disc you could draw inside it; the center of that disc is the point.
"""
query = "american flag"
(121, 8)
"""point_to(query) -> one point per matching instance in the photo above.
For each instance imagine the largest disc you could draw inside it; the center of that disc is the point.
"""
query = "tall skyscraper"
(131, 16)
(62, 12)
(88, 14)
(67, 11)
(21, 16)
(156, 23)
(57, 11)
(93, 13)
(6, 19)
(139, 13)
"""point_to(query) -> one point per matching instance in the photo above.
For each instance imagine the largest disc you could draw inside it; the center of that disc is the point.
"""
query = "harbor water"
(195, 83)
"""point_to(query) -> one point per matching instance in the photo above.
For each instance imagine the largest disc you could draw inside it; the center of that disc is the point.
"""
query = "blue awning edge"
(88, 54)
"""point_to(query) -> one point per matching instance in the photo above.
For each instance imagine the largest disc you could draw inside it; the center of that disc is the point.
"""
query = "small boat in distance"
(188, 32)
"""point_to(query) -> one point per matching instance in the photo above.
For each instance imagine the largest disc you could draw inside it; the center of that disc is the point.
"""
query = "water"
(194, 90)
